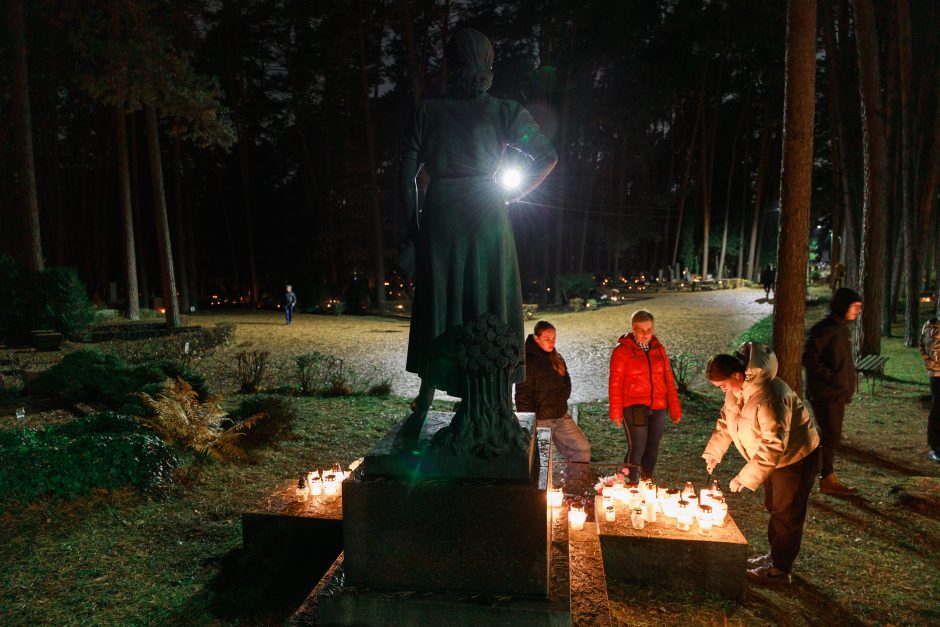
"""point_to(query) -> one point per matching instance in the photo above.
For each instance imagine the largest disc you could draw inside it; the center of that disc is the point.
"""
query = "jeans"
(829, 417)
(288, 313)
(933, 421)
(643, 443)
(786, 496)
(568, 439)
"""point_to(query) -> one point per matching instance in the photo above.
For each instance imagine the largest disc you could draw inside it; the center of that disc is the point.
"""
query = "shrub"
(380, 389)
(96, 377)
(104, 450)
(250, 367)
(276, 414)
(684, 366)
(576, 284)
(179, 418)
(576, 304)
(317, 372)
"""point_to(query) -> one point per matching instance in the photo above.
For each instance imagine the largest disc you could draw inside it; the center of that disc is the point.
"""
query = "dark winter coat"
(544, 391)
(827, 357)
(638, 377)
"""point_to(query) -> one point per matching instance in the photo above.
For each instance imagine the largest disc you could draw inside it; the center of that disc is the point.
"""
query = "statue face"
(546, 340)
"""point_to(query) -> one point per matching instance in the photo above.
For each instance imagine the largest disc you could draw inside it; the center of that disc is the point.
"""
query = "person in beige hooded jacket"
(772, 430)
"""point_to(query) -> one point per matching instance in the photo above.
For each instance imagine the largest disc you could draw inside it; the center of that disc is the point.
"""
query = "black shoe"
(769, 575)
(934, 456)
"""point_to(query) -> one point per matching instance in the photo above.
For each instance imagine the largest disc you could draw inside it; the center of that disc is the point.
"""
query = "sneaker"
(761, 561)
(831, 485)
(769, 575)
(933, 456)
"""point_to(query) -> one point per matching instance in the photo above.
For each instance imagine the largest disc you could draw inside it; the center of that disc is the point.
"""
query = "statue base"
(466, 535)
(393, 458)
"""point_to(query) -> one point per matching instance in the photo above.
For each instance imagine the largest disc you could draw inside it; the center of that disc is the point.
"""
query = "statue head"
(470, 63)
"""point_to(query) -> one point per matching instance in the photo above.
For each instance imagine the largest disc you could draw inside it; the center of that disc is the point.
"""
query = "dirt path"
(700, 322)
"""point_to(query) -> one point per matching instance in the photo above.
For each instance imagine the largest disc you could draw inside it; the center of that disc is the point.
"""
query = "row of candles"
(321, 482)
(646, 500)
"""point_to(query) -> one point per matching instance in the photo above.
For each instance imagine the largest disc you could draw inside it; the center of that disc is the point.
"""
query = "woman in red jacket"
(641, 389)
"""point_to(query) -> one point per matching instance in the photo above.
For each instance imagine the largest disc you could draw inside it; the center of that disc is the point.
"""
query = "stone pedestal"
(661, 555)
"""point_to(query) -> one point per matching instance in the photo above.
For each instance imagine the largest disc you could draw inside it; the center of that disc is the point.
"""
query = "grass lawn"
(175, 557)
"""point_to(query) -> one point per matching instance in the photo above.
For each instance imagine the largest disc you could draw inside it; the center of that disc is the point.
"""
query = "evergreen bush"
(53, 299)
(280, 414)
(104, 450)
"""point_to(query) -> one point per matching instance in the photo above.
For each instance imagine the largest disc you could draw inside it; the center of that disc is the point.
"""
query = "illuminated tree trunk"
(872, 268)
(795, 190)
(162, 224)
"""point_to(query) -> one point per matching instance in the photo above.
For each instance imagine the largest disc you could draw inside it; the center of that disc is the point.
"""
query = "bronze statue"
(461, 239)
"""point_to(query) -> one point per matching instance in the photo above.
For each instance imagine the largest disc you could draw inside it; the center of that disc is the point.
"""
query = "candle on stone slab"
(607, 490)
(671, 502)
(607, 501)
(576, 518)
(705, 520)
(635, 498)
(688, 489)
(555, 497)
(330, 485)
(649, 508)
(719, 511)
(609, 514)
(301, 490)
(637, 519)
(683, 516)
(619, 492)
(693, 504)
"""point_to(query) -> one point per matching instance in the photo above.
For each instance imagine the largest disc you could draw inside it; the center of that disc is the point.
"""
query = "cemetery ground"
(174, 556)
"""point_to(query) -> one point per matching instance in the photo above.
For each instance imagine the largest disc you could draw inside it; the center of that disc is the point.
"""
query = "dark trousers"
(933, 421)
(643, 443)
(829, 417)
(786, 495)
(288, 313)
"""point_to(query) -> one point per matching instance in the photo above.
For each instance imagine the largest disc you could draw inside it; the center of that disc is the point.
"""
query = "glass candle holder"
(609, 513)
(671, 503)
(607, 501)
(705, 520)
(555, 497)
(619, 492)
(300, 492)
(607, 490)
(719, 511)
(649, 509)
(683, 516)
(330, 485)
(635, 499)
(661, 491)
(636, 518)
(692, 499)
(688, 489)
(576, 518)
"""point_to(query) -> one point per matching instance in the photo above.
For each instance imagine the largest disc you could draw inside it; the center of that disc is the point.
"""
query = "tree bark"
(140, 242)
(763, 164)
(683, 187)
(179, 241)
(911, 241)
(559, 256)
(164, 247)
(28, 241)
(872, 268)
(731, 164)
(373, 177)
(795, 190)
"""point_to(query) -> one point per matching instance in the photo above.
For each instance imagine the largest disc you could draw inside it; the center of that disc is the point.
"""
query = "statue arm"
(525, 135)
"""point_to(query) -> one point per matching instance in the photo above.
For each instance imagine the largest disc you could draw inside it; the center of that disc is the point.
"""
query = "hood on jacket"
(532, 347)
(842, 299)
(761, 363)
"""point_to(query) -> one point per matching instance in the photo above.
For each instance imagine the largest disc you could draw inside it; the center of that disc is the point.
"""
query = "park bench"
(872, 367)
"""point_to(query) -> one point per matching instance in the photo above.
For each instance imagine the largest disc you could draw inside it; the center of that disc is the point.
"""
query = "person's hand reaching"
(710, 462)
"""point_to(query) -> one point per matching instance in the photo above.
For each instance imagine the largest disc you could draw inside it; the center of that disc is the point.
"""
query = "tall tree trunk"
(684, 186)
(763, 164)
(911, 245)
(179, 241)
(162, 223)
(408, 33)
(732, 162)
(795, 189)
(373, 176)
(563, 151)
(26, 223)
(132, 304)
(874, 154)
(926, 193)
(140, 242)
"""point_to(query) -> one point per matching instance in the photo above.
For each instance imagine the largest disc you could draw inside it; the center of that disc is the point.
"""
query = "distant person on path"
(830, 380)
(546, 390)
(768, 278)
(290, 301)
(838, 276)
(772, 430)
(641, 387)
(930, 351)
(461, 242)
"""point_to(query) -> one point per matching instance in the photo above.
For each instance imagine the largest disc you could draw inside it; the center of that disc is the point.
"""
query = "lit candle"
(609, 513)
(704, 497)
(555, 497)
(688, 489)
(719, 511)
(330, 485)
(576, 518)
(636, 518)
(670, 503)
(607, 501)
(705, 520)
(649, 508)
(607, 490)
(683, 516)
(692, 499)
(620, 492)
(301, 490)
(635, 499)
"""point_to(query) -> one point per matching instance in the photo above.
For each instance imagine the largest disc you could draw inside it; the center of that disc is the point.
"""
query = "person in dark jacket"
(930, 351)
(545, 391)
(768, 278)
(290, 302)
(641, 386)
(830, 380)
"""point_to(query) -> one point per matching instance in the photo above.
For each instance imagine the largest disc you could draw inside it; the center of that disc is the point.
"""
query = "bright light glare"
(511, 179)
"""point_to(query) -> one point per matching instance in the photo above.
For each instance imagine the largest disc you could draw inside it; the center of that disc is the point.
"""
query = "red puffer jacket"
(641, 378)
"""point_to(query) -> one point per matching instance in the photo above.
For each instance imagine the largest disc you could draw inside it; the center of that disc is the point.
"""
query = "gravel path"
(699, 322)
